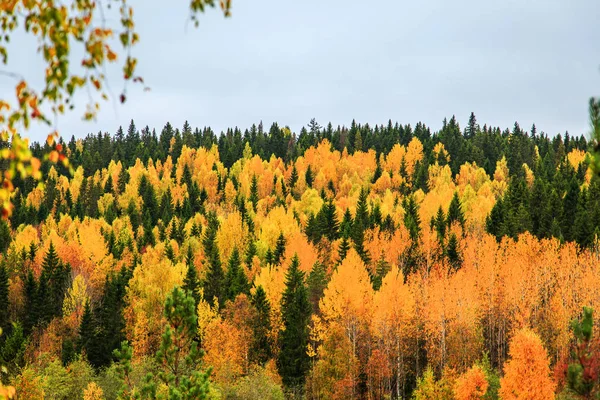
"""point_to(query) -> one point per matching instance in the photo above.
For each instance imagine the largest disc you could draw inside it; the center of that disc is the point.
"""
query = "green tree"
(582, 372)
(4, 304)
(261, 348)
(5, 236)
(191, 284)
(293, 362)
(213, 283)
(455, 212)
(279, 249)
(236, 281)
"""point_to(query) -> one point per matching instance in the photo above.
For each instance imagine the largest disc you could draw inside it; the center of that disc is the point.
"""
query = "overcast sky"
(534, 61)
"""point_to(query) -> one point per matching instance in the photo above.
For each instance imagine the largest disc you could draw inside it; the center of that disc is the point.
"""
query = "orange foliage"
(527, 374)
(472, 385)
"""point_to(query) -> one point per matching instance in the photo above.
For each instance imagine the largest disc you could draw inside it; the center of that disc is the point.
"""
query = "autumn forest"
(351, 262)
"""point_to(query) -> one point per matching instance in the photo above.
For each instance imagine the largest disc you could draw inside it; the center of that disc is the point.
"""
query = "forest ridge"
(360, 262)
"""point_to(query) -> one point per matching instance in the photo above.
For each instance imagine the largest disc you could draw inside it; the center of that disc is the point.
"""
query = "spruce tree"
(308, 177)
(213, 283)
(254, 192)
(279, 249)
(455, 212)
(316, 284)
(412, 221)
(191, 283)
(87, 333)
(178, 357)
(343, 249)
(251, 251)
(329, 224)
(5, 236)
(122, 180)
(261, 347)
(453, 252)
(4, 305)
(236, 281)
(293, 362)
(108, 186)
(30, 309)
(293, 177)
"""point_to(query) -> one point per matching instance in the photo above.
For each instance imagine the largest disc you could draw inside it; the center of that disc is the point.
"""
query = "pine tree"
(453, 252)
(123, 180)
(261, 347)
(312, 229)
(5, 236)
(329, 224)
(254, 192)
(343, 249)
(412, 220)
(191, 283)
(213, 283)
(178, 358)
(56, 276)
(236, 281)
(108, 187)
(293, 177)
(251, 251)
(308, 177)
(455, 212)
(279, 249)
(31, 310)
(4, 305)
(440, 225)
(316, 283)
(293, 362)
(87, 333)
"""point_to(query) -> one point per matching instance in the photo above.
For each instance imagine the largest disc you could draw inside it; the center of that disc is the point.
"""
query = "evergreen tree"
(261, 347)
(455, 212)
(343, 249)
(5, 236)
(316, 282)
(453, 252)
(251, 251)
(308, 176)
(213, 283)
(254, 192)
(191, 284)
(123, 180)
(279, 249)
(87, 334)
(56, 276)
(293, 177)
(108, 186)
(12, 352)
(236, 281)
(412, 221)
(293, 362)
(439, 222)
(178, 357)
(329, 224)
(31, 310)
(4, 305)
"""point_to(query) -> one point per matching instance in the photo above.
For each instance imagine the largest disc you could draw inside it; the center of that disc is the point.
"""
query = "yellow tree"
(347, 303)
(392, 323)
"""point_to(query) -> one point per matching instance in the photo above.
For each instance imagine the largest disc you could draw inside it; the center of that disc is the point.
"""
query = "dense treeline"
(339, 263)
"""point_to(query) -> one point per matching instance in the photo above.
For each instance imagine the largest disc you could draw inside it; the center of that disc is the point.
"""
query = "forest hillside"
(360, 262)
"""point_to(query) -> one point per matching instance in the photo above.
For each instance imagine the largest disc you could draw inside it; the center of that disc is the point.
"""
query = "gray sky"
(335, 60)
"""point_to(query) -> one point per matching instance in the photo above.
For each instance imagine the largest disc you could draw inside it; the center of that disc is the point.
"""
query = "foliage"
(527, 373)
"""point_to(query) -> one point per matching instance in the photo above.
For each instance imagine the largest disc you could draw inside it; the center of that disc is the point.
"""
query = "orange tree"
(61, 30)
